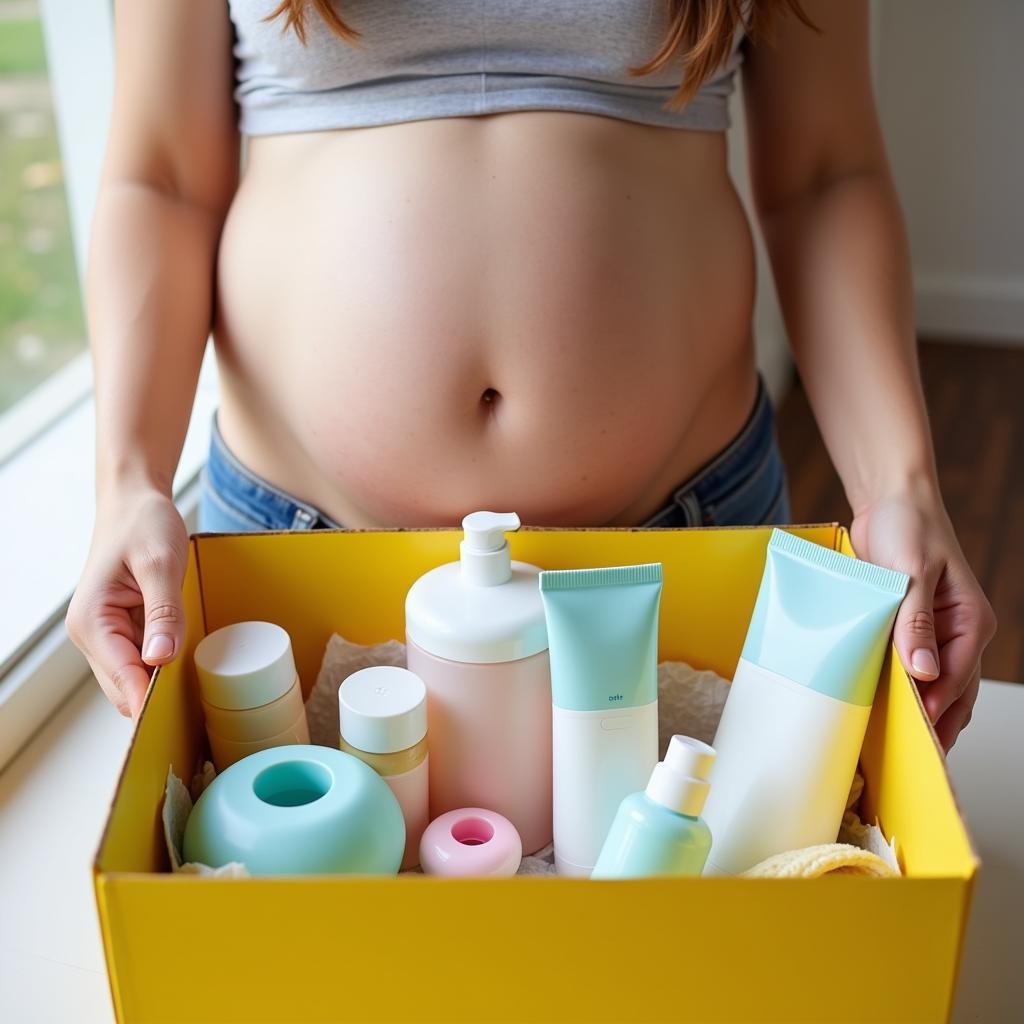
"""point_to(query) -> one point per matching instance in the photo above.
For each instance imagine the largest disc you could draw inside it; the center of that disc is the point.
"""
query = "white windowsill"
(53, 801)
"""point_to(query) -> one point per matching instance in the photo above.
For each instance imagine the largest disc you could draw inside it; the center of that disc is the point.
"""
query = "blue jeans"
(744, 485)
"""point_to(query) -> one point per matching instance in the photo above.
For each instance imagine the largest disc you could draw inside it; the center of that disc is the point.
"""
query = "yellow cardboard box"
(522, 949)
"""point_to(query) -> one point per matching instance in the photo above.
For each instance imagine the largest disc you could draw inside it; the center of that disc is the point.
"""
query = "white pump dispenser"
(484, 552)
(482, 609)
(477, 637)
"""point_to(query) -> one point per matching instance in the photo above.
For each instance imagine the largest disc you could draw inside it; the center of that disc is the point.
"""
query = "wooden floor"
(975, 396)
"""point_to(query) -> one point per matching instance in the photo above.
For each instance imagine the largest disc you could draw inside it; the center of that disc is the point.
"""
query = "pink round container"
(490, 738)
(471, 843)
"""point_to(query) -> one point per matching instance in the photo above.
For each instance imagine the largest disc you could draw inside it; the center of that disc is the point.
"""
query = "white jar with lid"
(250, 691)
(382, 715)
(477, 637)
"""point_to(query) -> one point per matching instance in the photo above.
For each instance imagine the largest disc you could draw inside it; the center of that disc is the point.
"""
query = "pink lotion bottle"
(476, 636)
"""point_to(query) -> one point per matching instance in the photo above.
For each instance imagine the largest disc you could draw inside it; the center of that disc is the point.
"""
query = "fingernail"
(923, 662)
(159, 646)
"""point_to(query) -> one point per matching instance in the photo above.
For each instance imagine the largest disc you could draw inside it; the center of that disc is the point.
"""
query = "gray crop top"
(455, 58)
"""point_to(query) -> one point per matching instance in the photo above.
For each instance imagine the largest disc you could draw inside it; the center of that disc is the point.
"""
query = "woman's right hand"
(126, 615)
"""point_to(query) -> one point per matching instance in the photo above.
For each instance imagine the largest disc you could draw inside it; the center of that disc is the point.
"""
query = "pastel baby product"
(794, 721)
(250, 691)
(298, 810)
(476, 637)
(603, 632)
(659, 831)
(471, 843)
(382, 713)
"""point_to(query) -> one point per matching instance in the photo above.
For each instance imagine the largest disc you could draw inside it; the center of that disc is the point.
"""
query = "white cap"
(680, 782)
(483, 609)
(484, 551)
(382, 709)
(245, 665)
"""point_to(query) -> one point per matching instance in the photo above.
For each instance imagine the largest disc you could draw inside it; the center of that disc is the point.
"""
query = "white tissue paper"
(177, 807)
(690, 702)
(868, 837)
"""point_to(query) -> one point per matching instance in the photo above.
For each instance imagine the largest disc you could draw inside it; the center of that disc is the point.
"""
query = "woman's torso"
(539, 310)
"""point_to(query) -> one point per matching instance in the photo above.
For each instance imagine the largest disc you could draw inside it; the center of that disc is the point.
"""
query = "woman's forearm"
(842, 269)
(150, 298)
(839, 253)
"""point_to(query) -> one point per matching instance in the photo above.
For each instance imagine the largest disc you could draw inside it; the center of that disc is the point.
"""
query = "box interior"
(354, 583)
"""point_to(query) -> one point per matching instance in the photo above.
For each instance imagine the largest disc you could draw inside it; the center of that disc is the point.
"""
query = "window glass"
(41, 321)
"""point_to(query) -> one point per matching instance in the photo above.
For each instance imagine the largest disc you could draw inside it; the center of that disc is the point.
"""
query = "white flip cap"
(680, 782)
(382, 709)
(245, 665)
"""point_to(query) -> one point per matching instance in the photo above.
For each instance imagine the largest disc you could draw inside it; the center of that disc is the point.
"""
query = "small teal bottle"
(660, 831)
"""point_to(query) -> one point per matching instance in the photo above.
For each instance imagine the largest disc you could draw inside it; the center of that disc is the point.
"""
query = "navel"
(489, 401)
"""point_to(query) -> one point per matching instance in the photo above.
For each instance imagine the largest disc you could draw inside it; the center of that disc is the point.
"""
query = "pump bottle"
(476, 636)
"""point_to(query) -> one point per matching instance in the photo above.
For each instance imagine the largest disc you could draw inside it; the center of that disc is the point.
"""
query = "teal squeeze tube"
(823, 619)
(603, 644)
(798, 708)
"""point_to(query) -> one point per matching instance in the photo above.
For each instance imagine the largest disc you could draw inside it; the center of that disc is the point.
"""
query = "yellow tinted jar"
(382, 715)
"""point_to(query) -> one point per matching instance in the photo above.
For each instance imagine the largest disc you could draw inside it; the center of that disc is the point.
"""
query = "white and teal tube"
(603, 644)
(794, 721)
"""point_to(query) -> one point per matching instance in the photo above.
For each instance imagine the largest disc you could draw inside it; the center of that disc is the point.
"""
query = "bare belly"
(544, 312)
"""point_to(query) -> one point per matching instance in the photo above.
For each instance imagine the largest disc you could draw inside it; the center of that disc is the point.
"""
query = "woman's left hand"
(945, 621)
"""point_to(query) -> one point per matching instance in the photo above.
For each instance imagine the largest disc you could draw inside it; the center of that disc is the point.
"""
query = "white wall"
(949, 78)
(950, 84)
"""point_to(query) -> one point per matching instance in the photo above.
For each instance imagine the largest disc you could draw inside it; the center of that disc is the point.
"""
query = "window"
(41, 326)
(56, 82)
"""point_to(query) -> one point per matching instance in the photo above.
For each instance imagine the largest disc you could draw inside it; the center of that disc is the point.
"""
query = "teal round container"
(298, 810)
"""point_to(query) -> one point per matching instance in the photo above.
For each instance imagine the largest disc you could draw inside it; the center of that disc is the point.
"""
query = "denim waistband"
(234, 491)
(743, 485)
